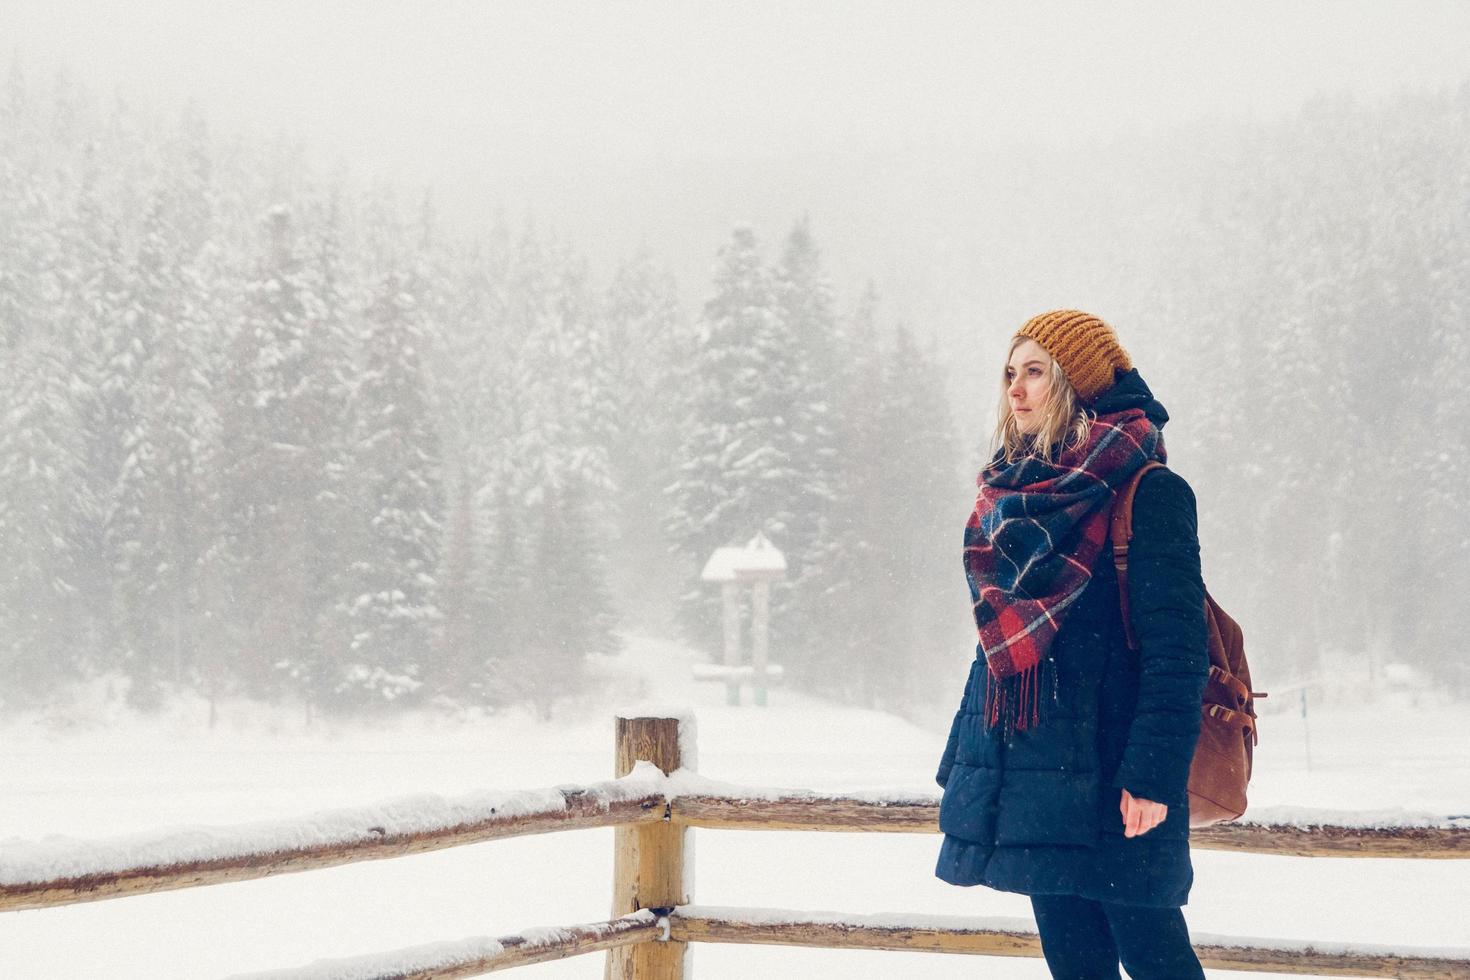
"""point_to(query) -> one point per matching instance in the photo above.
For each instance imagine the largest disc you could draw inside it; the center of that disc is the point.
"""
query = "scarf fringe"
(1014, 704)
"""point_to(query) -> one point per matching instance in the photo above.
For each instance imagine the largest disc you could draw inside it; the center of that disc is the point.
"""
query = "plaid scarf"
(1030, 546)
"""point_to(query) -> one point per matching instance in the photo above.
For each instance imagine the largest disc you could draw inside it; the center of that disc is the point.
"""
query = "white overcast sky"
(628, 123)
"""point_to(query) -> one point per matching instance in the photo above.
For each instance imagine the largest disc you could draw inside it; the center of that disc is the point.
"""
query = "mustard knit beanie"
(1085, 347)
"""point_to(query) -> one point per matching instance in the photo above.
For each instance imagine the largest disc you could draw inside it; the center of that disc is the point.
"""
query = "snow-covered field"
(128, 775)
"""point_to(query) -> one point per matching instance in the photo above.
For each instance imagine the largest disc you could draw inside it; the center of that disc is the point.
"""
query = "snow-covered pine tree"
(42, 454)
(336, 296)
(858, 605)
(276, 440)
(455, 293)
(40, 457)
(503, 670)
(159, 514)
(707, 508)
(636, 355)
(91, 269)
(814, 553)
(740, 469)
(562, 472)
(398, 473)
(472, 374)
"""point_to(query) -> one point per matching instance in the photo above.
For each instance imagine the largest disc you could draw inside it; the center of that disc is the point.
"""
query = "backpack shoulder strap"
(1121, 532)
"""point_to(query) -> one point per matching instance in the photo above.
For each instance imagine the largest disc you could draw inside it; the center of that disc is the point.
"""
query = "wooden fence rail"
(1448, 838)
(653, 805)
(1017, 937)
(121, 868)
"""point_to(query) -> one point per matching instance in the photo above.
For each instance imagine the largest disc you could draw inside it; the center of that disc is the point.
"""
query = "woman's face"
(1028, 379)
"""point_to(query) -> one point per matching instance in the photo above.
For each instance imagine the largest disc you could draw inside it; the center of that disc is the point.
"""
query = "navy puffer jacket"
(1040, 814)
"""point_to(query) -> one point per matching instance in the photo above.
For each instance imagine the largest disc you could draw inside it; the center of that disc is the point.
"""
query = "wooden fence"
(653, 917)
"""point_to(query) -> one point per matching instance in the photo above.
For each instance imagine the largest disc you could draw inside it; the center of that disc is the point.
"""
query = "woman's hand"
(1140, 815)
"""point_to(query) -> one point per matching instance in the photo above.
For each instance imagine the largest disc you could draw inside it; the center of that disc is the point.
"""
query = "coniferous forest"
(269, 433)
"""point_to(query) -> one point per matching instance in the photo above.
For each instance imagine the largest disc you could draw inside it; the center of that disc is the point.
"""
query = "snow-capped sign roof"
(758, 559)
(721, 565)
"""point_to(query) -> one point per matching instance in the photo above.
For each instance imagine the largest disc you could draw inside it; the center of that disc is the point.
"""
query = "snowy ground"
(129, 776)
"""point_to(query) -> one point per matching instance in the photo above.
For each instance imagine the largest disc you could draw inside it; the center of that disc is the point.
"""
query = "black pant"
(1085, 940)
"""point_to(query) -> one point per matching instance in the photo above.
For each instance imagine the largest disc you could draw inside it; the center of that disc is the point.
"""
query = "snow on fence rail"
(474, 957)
(652, 806)
(59, 871)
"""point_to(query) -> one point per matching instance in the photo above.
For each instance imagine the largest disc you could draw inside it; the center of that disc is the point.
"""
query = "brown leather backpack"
(1227, 735)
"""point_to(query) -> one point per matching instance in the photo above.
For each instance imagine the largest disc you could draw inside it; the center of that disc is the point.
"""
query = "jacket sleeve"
(1166, 597)
(946, 762)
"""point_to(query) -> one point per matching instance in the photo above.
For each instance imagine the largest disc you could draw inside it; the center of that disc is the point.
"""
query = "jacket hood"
(1130, 391)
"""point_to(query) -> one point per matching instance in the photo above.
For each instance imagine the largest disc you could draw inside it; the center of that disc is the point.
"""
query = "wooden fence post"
(648, 860)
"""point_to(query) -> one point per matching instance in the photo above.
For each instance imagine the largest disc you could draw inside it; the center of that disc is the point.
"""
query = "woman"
(1064, 773)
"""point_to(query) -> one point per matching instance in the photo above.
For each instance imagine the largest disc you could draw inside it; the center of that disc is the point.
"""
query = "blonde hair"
(1064, 420)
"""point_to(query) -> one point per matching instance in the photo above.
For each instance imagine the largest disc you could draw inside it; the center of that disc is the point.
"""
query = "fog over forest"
(289, 414)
